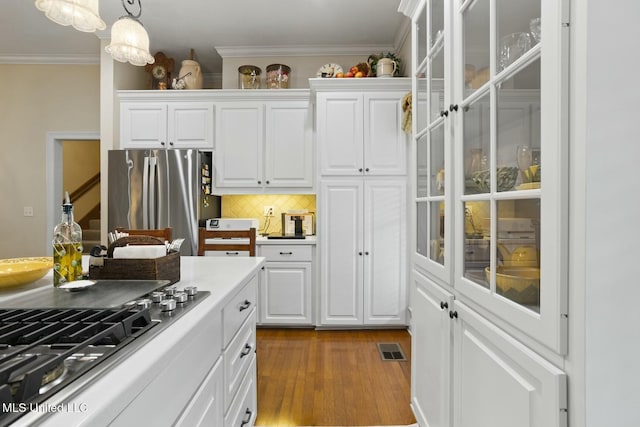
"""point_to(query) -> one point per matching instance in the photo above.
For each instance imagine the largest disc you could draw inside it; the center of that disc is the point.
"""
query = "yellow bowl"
(21, 271)
(519, 284)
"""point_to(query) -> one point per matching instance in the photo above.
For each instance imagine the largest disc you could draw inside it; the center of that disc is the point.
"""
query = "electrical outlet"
(269, 211)
(28, 211)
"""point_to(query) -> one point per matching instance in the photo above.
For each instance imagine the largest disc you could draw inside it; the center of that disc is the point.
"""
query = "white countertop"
(109, 393)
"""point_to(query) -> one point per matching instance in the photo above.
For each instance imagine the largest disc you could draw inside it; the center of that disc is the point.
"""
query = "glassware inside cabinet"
(514, 35)
(476, 148)
(517, 275)
(518, 130)
(475, 19)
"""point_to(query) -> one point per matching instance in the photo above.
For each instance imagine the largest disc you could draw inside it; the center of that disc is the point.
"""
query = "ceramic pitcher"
(386, 67)
(193, 80)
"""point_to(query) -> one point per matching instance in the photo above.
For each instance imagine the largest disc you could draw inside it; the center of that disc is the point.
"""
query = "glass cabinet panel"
(437, 21)
(436, 93)
(476, 35)
(437, 232)
(422, 166)
(421, 103)
(422, 236)
(517, 275)
(476, 146)
(514, 21)
(518, 128)
(477, 245)
(421, 36)
(437, 160)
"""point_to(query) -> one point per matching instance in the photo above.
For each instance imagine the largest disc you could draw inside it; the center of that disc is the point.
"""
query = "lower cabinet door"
(205, 408)
(244, 410)
(499, 382)
(430, 352)
(285, 294)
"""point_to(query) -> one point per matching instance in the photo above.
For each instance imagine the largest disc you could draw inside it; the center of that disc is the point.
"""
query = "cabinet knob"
(259, 182)
(366, 170)
(162, 143)
(360, 253)
(366, 253)
(171, 143)
(453, 107)
(267, 182)
(443, 305)
(444, 113)
(360, 170)
(453, 314)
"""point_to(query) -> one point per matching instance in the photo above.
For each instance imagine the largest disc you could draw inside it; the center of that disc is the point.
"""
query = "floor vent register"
(391, 351)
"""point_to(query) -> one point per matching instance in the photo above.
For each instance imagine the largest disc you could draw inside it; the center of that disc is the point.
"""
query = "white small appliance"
(231, 224)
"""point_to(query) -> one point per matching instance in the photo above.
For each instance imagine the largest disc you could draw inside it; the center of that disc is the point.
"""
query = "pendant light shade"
(129, 42)
(83, 15)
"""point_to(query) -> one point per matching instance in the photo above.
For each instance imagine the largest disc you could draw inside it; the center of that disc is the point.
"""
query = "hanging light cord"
(131, 3)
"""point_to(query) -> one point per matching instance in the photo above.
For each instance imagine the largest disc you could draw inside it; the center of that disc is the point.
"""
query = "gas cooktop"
(50, 338)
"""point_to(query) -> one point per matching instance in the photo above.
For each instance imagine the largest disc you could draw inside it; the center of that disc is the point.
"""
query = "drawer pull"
(233, 253)
(247, 419)
(286, 253)
(246, 304)
(246, 351)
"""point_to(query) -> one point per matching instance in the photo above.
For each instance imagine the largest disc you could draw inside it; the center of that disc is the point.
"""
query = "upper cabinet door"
(340, 133)
(511, 161)
(190, 125)
(143, 125)
(385, 144)
(289, 145)
(239, 142)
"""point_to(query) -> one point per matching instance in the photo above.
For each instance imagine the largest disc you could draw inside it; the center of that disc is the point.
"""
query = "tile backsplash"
(252, 206)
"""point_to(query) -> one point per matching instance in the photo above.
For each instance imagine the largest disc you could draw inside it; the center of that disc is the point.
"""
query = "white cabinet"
(205, 407)
(166, 124)
(286, 285)
(431, 349)
(489, 191)
(264, 145)
(363, 251)
(238, 355)
(496, 380)
(361, 133)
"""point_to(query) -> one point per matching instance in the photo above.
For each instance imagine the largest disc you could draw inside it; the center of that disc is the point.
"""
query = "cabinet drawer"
(238, 357)
(286, 252)
(227, 253)
(244, 410)
(238, 309)
(205, 407)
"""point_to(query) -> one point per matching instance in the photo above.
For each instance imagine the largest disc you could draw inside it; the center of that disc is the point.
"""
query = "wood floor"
(330, 378)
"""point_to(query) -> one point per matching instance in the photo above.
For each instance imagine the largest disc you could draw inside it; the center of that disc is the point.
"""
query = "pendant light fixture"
(129, 39)
(83, 15)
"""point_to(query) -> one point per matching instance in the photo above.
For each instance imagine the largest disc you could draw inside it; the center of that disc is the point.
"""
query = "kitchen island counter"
(156, 382)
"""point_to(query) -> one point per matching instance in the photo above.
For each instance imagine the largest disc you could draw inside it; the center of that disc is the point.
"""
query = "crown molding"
(294, 50)
(50, 59)
(409, 7)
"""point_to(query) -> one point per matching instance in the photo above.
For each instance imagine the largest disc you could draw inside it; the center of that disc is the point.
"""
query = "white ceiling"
(241, 27)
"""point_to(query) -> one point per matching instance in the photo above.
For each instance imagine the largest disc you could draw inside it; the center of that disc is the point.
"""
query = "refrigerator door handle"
(153, 161)
(145, 194)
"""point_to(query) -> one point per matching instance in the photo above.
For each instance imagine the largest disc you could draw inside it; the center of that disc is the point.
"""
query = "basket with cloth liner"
(166, 267)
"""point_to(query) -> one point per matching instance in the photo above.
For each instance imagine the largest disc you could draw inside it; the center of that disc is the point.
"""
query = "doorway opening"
(73, 165)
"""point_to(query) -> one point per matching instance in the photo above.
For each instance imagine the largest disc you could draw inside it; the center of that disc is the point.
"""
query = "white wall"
(605, 213)
(35, 100)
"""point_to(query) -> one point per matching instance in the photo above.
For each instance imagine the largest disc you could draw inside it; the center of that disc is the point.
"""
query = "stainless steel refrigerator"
(150, 189)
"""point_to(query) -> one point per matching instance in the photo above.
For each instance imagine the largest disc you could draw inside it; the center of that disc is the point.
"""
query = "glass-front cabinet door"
(510, 148)
(432, 138)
